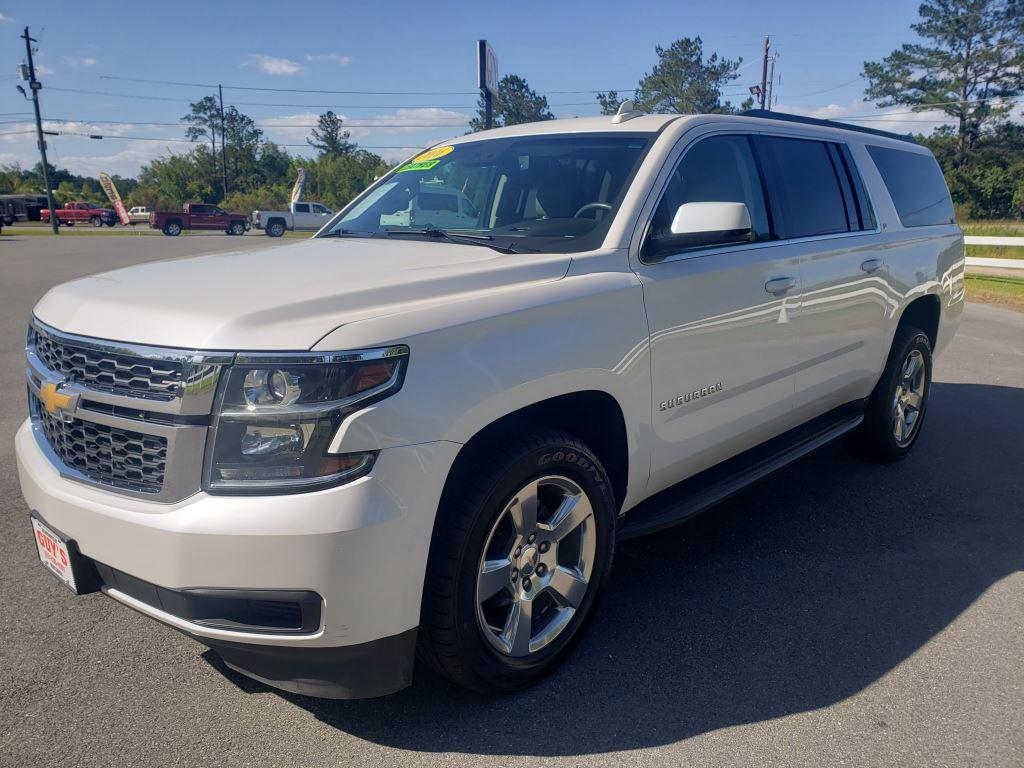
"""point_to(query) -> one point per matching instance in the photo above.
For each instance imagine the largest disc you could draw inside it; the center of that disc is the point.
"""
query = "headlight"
(279, 412)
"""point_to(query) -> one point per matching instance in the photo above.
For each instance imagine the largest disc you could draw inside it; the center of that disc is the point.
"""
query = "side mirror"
(701, 225)
(715, 220)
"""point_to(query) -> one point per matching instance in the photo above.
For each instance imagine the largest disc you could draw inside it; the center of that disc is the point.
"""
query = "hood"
(282, 298)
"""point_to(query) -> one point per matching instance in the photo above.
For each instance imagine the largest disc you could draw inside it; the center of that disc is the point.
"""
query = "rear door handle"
(780, 285)
(872, 265)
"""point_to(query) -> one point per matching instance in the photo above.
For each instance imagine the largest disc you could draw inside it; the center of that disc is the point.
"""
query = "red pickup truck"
(198, 216)
(73, 213)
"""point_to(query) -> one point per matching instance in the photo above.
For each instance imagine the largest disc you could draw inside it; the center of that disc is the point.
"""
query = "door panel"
(723, 345)
(717, 332)
(823, 209)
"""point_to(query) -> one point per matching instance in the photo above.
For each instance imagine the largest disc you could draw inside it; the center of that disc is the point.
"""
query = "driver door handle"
(780, 285)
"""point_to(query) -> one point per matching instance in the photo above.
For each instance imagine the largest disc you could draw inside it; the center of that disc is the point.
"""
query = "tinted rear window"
(916, 186)
(807, 191)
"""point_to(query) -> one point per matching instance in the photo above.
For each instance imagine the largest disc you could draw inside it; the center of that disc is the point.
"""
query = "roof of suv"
(655, 123)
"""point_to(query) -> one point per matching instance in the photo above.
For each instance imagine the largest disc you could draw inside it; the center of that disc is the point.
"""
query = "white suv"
(387, 441)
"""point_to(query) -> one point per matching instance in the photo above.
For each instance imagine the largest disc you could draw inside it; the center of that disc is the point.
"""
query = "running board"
(706, 489)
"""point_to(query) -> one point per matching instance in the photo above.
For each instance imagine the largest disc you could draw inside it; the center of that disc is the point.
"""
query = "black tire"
(236, 228)
(96, 221)
(876, 437)
(172, 228)
(450, 639)
(275, 228)
(67, 223)
(111, 223)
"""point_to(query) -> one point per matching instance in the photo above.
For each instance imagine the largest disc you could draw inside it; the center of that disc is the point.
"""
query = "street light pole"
(35, 85)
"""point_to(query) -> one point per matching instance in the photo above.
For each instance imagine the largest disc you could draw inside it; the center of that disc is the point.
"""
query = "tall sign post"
(487, 79)
(36, 86)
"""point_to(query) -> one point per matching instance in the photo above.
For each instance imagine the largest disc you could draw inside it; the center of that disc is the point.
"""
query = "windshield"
(551, 193)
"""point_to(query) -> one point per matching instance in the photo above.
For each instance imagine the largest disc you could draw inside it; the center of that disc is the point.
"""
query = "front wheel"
(236, 228)
(896, 409)
(172, 229)
(520, 556)
(96, 221)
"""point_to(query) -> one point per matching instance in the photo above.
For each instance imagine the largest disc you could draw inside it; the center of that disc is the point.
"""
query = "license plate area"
(60, 556)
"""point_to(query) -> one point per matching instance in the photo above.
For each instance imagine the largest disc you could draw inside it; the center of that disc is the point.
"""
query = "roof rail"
(769, 115)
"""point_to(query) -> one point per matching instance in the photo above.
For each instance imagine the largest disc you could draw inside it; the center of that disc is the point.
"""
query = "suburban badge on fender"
(697, 394)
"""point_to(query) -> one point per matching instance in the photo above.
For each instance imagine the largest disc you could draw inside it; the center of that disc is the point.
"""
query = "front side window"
(808, 196)
(916, 186)
(719, 169)
(549, 193)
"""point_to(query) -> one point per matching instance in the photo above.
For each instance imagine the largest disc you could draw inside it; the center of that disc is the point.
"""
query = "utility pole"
(771, 81)
(764, 72)
(223, 145)
(35, 85)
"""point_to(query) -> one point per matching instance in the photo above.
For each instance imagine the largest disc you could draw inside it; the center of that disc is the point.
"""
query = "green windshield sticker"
(426, 160)
(424, 166)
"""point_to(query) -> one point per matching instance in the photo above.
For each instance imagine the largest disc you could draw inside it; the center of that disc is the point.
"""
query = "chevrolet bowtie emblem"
(56, 402)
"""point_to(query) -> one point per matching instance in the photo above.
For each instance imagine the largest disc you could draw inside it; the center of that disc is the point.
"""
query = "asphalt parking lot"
(837, 613)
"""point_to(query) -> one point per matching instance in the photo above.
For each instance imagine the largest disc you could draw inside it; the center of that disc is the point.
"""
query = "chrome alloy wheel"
(536, 566)
(907, 399)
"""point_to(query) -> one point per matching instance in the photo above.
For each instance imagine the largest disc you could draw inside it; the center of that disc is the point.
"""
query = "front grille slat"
(110, 372)
(108, 455)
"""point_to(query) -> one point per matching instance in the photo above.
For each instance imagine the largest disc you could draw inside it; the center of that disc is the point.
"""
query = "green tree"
(970, 65)
(682, 82)
(203, 121)
(329, 137)
(516, 102)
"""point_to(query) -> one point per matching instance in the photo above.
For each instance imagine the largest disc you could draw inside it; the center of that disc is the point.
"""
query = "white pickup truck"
(300, 216)
(327, 458)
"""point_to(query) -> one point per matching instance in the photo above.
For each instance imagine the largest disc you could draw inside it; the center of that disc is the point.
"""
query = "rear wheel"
(896, 409)
(111, 223)
(172, 229)
(96, 221)
(275, 228)
(520, 555)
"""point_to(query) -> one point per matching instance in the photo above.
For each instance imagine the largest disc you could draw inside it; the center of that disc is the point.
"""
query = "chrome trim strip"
(314, 358)
(172, 354)
(204, 631)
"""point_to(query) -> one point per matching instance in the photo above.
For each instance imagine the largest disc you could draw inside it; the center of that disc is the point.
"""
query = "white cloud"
(76, 61)
(339, 59)
(6, 19)
(272, 65)
(42, 69)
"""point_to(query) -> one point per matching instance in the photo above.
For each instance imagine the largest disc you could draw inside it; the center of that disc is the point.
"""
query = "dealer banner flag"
(115, 198)
(300, 185)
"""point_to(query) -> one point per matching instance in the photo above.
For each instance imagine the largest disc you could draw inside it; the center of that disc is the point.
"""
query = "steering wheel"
(588, 206)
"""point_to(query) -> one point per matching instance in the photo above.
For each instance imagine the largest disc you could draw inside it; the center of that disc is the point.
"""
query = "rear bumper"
(361, 548)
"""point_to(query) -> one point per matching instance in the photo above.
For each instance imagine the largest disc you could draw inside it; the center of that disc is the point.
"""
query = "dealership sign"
(487, 66)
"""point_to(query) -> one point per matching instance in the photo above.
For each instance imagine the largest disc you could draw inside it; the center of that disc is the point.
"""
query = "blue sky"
(428, 48)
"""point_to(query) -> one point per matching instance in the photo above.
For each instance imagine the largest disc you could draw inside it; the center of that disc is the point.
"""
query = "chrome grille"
(105, 454)
(104, 370)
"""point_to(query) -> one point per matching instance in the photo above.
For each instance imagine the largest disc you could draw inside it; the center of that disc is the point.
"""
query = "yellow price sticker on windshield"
(426, 160)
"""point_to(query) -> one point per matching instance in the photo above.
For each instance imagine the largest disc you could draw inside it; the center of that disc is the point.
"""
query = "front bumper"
(362, 547)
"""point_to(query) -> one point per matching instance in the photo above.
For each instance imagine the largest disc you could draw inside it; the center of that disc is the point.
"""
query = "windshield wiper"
(456, 237)
(347, 233)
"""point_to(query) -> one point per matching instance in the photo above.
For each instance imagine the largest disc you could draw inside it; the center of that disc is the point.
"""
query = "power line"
(188, 141)
(322, 90)
(460, 122)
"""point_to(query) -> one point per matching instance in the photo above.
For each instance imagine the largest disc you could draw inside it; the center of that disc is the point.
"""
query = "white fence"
(980, 261)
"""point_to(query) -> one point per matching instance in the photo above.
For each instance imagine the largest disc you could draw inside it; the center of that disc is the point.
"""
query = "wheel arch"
(923, 312)
(592, 416)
